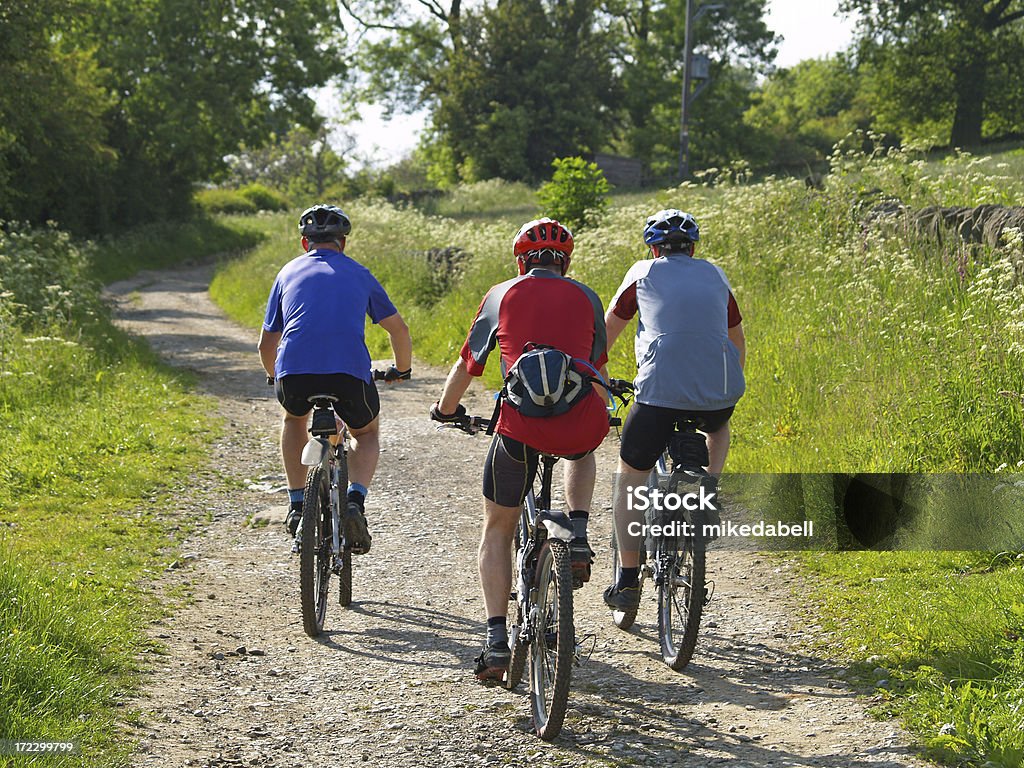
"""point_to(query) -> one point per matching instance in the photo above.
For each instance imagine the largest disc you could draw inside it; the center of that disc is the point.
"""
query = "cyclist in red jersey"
(541, 306)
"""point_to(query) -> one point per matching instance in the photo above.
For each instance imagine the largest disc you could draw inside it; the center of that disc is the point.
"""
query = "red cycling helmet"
(542, 242)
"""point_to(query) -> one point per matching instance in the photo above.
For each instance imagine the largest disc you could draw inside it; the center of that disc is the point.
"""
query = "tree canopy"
(936, 65)
(140, 99)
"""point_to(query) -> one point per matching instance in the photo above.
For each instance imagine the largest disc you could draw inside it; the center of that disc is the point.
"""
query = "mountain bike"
(320, 538)
(674, 560)
(541, 635)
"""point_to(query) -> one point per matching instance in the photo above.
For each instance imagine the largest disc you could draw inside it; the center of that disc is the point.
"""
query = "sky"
(810, 29)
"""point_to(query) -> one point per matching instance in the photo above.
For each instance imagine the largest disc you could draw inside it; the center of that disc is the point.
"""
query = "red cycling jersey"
(544, 308)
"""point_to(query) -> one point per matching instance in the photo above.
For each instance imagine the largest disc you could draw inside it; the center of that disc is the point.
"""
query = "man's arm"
(736, 337)
(401, 340)
(455, 386)
(268, 349)
(614, 325)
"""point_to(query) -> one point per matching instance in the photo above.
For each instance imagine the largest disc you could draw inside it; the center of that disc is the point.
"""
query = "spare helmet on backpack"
(671, 227)
(543, 382)
(541, 243)
(324, 223)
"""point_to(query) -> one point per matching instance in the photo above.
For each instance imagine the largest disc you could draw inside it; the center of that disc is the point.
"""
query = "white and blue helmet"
(671, 227)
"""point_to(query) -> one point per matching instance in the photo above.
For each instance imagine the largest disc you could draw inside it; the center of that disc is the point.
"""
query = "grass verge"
(94, 430)
(937, 639)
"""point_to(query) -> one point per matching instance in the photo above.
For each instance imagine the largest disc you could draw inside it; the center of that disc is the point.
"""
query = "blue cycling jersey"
(319, 303)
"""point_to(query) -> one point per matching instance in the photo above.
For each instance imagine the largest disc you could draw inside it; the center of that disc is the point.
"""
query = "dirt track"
(389, 683)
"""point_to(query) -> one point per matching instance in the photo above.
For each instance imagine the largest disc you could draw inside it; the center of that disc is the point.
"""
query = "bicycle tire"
(681, 595)
(345, 578)
(345, 574)
(550, 677)
(622, 619)
(314, 568)
(519, 648)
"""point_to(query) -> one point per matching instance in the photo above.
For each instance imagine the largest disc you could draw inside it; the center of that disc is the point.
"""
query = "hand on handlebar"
(620, 386)
(447, 418)
(392, 375)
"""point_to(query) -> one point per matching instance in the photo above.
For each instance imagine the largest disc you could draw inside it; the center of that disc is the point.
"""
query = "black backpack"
(542, 382)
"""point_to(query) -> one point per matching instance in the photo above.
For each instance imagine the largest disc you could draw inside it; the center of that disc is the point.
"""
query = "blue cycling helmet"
(671, 227)
(323, 223)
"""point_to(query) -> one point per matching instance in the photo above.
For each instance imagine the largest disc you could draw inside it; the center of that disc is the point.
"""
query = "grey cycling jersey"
(684, 357)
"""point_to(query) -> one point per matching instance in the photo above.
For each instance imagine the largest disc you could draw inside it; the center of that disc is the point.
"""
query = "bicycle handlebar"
(620, 386)
(471, 425)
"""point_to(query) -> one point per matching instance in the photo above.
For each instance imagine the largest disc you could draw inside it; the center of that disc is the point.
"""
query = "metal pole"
(684, 124)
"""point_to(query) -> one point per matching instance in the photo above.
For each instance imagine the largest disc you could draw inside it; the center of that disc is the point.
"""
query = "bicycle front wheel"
(681, 596)
(315, 553)
(553, 644)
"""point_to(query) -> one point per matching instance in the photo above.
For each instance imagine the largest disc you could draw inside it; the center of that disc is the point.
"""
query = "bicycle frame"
(536, 523)
(321, 451)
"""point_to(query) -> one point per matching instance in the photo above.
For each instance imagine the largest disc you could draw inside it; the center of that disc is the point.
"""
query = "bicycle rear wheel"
(681, 596)
(314, 557)
(554, 641)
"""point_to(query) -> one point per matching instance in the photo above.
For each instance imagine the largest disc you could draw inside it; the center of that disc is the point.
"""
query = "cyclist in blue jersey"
(690, 352)
(313, 342)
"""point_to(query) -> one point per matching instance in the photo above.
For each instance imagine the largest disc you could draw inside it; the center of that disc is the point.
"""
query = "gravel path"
(389, 682)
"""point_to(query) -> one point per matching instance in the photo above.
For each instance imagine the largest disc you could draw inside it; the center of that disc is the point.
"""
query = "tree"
(510, 86)
(113, 109)
(52, 138)
(804, 110)
(939, 57)
(193, 79)
(303, 163)
(739, 44)
(535, 84)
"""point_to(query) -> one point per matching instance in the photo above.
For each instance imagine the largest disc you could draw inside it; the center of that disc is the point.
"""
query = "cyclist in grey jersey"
(690, 352)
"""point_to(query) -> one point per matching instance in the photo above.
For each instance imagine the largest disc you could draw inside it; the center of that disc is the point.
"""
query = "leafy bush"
(264, 198)
(44, 280)
(577, 194)
(225, 201)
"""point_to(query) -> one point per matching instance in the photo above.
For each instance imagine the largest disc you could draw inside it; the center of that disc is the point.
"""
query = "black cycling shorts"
(509, 469)
(358, 403)
(648, 428)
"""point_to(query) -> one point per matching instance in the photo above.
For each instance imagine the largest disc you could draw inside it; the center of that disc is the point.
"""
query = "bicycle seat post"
(547, 471)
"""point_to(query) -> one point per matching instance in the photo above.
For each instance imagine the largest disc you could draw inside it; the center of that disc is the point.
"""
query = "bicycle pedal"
(708, 593)
(579, 655)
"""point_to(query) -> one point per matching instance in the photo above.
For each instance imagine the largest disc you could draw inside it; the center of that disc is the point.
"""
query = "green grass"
(868, 351)
(939, 637)
(172, 244)
(94, 433)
